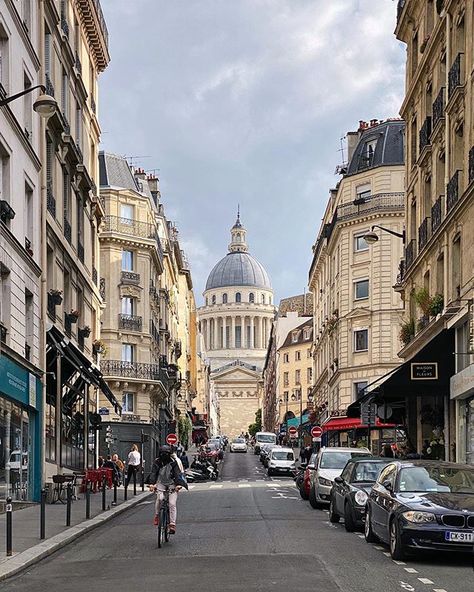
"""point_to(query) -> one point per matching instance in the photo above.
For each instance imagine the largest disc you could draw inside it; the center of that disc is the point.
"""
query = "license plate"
(460, 537)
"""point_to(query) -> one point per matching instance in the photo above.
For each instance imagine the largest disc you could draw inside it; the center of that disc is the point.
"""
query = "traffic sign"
(171, 439)
(316, 431)
(293, 431)
(103, 411)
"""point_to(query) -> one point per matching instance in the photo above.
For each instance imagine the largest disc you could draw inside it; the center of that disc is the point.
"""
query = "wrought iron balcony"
(80, 251)
(130, 227)
(410, 253)
(94, 276)
(423, 233)
(130, 322)
(77, 63)
(93, 106)
(425, 133)
(50, 201)
(452, 192)
(67, 230)
(155, 334)
(48, 85)
(130, 277)
(437, 214)
(471, 165)
(102, 288)
(65, 26)
(377, 202)
(438, 107)
(455, 75)
(132, 370)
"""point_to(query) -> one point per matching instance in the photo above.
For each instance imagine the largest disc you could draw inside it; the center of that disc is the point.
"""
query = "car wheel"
(397, 550)
(333, 515)
(303, 493)
(348, 518)
(269, 472)
(368, 532)
(313, 502)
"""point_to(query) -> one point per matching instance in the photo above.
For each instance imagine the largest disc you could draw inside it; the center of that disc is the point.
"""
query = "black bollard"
(114, 503)
(125, 491)
(143, 479)
(68, 504)
(135, 482)
(9, 512)
(88, 501)
(43, 515)
(104, 493)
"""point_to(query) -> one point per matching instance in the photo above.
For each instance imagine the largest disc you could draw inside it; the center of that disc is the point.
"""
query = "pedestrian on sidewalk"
(133, 462)
(109, 464)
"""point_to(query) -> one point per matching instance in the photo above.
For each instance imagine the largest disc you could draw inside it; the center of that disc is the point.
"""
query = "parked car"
(330, 462)
(265, 451)
(13, 464)
(262, 438)
(422, 505)
(303, 480)
(238, 445)
(281, 460)
(351, 490)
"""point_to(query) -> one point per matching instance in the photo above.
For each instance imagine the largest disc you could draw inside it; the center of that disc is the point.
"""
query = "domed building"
(235, 322)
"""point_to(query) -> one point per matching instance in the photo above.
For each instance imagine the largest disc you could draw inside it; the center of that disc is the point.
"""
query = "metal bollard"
(114, 503)
(68, 503)
(88, 501)
(135, 482)
(142, 478)
(43, 515)
(125, 491)
(104, 493)
(9, 512)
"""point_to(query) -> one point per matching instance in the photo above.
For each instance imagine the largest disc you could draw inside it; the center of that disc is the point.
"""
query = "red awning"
(340, 424)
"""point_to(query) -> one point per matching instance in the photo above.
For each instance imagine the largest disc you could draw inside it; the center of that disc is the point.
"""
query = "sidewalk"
(28, 548)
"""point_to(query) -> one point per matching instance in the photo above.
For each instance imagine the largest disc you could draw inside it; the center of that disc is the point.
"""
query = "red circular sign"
(316, 431)
(292, 430)
(171, 439)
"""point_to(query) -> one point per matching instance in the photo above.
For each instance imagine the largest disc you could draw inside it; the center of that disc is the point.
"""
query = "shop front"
(462, 393)
(20, 431)
(350, 431)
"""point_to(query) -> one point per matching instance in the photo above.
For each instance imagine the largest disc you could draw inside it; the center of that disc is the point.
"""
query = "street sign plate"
(171, 439)
(103, 411)
(316, 431)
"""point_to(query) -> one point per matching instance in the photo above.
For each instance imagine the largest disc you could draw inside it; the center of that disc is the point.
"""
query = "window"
(65, 95)
(251, 297)
(28, 219)
(367, 156)
(286, 358)
(238, 297)
(214, 299)
(456, 269)
(297, 356)
(361, 340)
(127, 402)
(127, 260)
(238, 336)
(360, 244)
(127, 352)
(4, 177)
(79, 125)
(26, 14)
(4, 59)
(294, 337)
(126, 214)
(29, 323)
(297, 376)
(224, 298)
(307, 333)
(5, 301)
(359, 389)
(263, 299)
(269, 300)
(309, 374)
(363, 192)
(207, 301)
(27, 108)
(308, 353)
(128, 305)
(285, 396)
(361, 289)
(286, 378)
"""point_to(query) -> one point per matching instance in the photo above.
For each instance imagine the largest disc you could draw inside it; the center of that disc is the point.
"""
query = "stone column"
(208, 334)
(252, 329)
(232, 333)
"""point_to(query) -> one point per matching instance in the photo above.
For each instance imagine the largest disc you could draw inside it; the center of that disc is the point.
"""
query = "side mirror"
(338, 480)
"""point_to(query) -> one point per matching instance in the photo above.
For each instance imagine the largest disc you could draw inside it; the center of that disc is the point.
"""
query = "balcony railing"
(48, 85)
(93, 106)
(454, 76)
(102, 288)
(50, 201)
(94, 276)
(423, 233)
(65, 26)
(77, 63)
(425, 133)
(67, 230)
(130, 227)
(80, 251)
(410, 253)
(438, 107)
(379, 201)
(452, 192)
(133, 370)
(130, 277)
(471, 165)
(130, 322)
(437, 214)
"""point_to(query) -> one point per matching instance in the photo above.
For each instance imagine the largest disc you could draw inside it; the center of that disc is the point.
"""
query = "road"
(247, 533)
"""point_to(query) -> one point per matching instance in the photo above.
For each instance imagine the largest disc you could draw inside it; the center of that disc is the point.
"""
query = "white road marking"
(386, 554)
(243, 485)
(399, 562)
(406, 586)
(216, 486)
(378, 547)
(361, 536)
(439, 590)
(410, 570)
(425, 581)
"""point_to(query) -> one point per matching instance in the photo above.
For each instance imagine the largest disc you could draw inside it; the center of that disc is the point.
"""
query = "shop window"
(128, 402)
(361, 340)
(361, 289)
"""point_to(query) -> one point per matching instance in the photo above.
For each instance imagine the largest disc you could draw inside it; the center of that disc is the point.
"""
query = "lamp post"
(371, 237)
(45, 105)
(285, 400)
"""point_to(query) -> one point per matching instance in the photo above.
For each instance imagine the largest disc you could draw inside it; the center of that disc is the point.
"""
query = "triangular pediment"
(231, 372)
(357, 313)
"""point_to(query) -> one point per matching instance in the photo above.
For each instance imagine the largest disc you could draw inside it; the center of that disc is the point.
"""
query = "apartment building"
(437, 280)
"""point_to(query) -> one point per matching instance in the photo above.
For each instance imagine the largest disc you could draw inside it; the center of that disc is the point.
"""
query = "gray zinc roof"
(238, 269)
(114, 171)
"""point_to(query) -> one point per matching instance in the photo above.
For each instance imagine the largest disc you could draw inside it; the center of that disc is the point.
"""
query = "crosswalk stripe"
(243, 485)
(220, 486)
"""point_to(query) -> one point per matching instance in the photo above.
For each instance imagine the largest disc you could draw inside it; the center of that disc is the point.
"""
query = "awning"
(341, 424)
(78, 362)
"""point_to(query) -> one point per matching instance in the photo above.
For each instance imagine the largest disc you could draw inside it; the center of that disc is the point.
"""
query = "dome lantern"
(238, 234)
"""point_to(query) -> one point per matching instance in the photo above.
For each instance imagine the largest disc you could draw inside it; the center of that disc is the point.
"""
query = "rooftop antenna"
(130, 159)
(341, 149)
(152, 171)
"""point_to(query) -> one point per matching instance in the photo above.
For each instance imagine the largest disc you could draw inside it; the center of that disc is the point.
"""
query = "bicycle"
(164, 519)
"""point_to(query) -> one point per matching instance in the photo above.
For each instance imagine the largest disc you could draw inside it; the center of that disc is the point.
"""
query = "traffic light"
(108, 435)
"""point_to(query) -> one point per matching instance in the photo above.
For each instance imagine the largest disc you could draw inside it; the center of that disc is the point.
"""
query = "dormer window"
(367, 155)
(294, 337)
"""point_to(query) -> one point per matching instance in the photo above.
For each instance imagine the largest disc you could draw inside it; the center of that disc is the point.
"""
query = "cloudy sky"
(245, 102)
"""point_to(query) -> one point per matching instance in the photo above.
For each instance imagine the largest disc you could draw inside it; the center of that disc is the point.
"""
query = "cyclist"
(166, 473)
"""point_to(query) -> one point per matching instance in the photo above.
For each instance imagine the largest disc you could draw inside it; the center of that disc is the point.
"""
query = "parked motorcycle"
(202, 470)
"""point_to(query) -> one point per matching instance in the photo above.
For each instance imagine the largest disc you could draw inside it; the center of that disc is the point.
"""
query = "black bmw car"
(422, 505)
(351, 490)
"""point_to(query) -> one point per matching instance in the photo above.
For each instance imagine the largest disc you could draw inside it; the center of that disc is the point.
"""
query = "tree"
(184, 427)
(257, 426)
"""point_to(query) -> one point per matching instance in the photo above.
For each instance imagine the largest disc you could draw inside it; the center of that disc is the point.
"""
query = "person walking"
(120, 467)
(133, 462)
(165, 473)
(109, 464)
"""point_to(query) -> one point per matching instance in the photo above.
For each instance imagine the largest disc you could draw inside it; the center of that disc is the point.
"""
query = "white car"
(281, 460)
(14, 462)
(238, 445)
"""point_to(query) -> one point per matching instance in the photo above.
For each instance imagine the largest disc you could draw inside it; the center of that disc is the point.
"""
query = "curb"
(21, 561)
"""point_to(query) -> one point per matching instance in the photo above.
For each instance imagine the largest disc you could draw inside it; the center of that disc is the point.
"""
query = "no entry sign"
(316, 431)
(292, 431)
(171, 439)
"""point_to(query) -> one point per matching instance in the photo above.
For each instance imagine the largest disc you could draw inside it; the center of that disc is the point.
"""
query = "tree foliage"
(257, 426)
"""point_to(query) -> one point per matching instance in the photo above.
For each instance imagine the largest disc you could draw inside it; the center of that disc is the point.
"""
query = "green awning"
(295, 421)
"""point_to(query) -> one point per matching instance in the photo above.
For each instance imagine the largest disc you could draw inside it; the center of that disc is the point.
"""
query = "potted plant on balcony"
(423, 299)
(436, 305)
(56, 296)
(99, 347)
(407, 331)
(85, 331)
(74, 315)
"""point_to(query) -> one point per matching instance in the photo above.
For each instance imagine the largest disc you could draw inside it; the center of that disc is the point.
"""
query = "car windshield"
(437, 479)
(239, 441)
(367, 471)
(282, 455)
(337, 459)
(266, 438)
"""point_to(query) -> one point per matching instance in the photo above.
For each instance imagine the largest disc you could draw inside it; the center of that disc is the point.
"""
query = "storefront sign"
(17, 383)
(424, 371)
(32, 390)
(471, 327)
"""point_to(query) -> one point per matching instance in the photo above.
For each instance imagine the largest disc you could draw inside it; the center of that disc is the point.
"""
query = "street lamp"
(294, 397)
(371, 237)
(45, 105)
(286, 413)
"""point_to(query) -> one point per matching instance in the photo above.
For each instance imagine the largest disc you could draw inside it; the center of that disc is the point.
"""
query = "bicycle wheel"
(162, 528)
(167, 526)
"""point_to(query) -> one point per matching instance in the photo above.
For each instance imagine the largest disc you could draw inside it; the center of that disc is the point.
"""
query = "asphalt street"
(247, 533)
